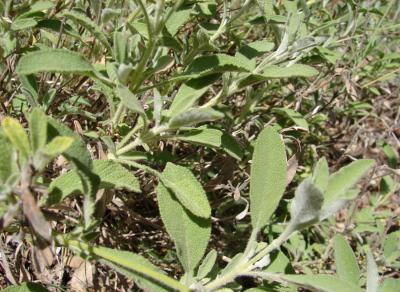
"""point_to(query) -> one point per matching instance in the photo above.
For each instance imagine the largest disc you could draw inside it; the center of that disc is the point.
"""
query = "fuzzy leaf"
(189, 93)
(321, 174)
(341, 181)
(6, 158)
(268, 176)
(389, 285)
(306, 204)
(372, 274)
(296, 117)
(346, 263)
(213, 138)
(207, 264)
(179, 18)
(326, 283)
(53, 60)
(129, 100)
(296, 70)
(112, 176)
(38, 129)
(58, 145)
(26, 287)
(195, 116)
(189, 233)
(16, 134)
(391, 247)
(187, 189)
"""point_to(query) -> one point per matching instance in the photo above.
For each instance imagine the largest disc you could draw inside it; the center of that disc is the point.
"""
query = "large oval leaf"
(346, 263)
(268, 176)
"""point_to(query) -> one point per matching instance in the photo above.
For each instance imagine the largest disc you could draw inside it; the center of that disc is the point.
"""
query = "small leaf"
(296, 117)
(16, 134)
(268, 176)
(195, 116)
(391, 247)
(372, 274)
(321, 174)
(58, 145)
(187, 189)
(189, 93)
(346, 263)
(213, 138)
(189, 233)
(53, 60)
(306, 205)
(38, 129)
(207, 264)
(129, 100)
(112, 176)
(178, 18)
(326, 283)
(341, 181)
(7, 159)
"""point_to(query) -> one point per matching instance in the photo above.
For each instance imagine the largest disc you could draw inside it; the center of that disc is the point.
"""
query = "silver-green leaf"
(346, 263)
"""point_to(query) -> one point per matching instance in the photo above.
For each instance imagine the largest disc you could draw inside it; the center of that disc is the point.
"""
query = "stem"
(129, 147)
(127, 263)
(117, 115)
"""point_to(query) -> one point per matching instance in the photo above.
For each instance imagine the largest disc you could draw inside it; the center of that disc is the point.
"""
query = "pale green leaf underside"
(189, 233)
(187, 189)
(195, 116)
(268, 176)
(213, 138)
(327, 283)
(112, 175)
(321, 174)
(53, 60)
(346, 263)
(341, 181)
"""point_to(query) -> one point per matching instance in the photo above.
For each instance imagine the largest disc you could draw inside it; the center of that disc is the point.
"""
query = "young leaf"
(268, 176)
(187, 189)
(341, 181)
(346, 263)
(134, 266)
(306, 205)
(321, 174)
(112, 176)
(189, 233)
(189, 93)
(296, 117)
(207, 264)
(326, 283)
(38, 129)
(16, 134)
(129, 100)
(372, 274)
(195, 116)
(213, 138)
(53, 60)
(58, 145)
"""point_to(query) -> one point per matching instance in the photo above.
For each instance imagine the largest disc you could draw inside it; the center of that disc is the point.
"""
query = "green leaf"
(268, 176)
(341, 181)
(86, 22)
(53, 60)
(36, 7)
(26, 287)
(178, 18)
(189, 233)
(346, 263)
(7, 158)
(389, 285)
(195, 116)
(121, 46)
(326, 283)
(205, 65)
(129, 100)
(189, 93)
(391, 247)
(256, 49)
(38, 129)
(145, 274)
(321, 174)
(207, 264)
(296, 117)
(187, 189)
(22, 24)
(372, 274)
(213, 138)
(296, 70)
(112, 176)
(16, 134)
(306, 205)
(58, 145)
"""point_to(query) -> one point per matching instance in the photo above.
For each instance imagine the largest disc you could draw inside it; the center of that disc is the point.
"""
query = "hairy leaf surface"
(346, 263)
